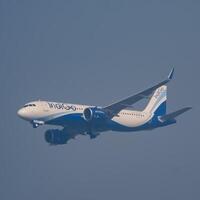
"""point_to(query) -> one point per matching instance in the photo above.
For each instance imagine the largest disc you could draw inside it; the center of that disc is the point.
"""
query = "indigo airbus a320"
(92, 120)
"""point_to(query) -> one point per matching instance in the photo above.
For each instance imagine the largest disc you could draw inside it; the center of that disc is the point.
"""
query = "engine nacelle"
(94, 113)
(55, 137)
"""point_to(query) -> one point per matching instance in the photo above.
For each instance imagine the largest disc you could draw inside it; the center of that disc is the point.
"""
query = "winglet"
(171, 74)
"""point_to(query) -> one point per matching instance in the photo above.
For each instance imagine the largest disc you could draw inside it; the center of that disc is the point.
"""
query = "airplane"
(76, 119)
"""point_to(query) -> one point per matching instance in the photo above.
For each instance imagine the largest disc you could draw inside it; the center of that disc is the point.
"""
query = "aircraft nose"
(21, 113)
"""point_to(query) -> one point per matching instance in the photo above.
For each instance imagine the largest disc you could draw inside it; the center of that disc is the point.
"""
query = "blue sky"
(96, 52)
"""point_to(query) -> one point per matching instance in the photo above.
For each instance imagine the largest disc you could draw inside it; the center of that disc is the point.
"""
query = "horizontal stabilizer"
(174, 114)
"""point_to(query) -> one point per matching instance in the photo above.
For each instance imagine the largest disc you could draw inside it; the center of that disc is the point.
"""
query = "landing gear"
(35, 125)
(93, 135)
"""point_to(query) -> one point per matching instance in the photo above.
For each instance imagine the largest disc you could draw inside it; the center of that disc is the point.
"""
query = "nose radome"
(21, 113)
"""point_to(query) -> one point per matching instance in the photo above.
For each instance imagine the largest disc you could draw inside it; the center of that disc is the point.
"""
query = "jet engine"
(94, 113)
(56, 136)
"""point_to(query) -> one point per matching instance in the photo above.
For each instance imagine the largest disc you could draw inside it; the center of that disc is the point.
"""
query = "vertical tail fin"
(157, 104)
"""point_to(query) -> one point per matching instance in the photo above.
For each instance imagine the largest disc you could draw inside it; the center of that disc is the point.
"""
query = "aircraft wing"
(115, 108)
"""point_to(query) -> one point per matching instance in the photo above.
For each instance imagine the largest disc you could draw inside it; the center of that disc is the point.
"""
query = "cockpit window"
(28, 105)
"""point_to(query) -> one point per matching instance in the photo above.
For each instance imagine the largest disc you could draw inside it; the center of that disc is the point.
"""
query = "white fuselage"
(44, 111)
